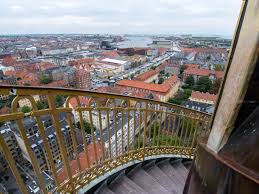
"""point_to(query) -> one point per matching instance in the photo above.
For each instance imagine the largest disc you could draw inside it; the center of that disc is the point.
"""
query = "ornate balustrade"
(77, 136)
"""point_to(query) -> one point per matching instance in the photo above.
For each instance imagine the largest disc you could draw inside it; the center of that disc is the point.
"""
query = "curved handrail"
(90, 133)
(20, 90)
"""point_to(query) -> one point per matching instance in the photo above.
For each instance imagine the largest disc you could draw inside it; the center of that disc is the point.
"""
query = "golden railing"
(150, 128)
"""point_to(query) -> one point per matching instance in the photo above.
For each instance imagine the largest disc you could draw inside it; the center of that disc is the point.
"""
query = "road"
(140, 69)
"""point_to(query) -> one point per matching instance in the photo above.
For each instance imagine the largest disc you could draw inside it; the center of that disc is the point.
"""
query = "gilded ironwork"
(122, 129)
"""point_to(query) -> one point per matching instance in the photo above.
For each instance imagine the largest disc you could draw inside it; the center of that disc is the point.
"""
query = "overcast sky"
(119, 16)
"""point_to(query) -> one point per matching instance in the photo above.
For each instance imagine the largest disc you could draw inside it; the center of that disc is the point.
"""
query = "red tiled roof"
(25, 76)
(203, 72)
(219, 74)
(110, 54)
(82, 63)
(162, 88)
(146, 75)
(84, 101)
(142, 48)
(161, 50)
(45, 65)
(85, 60)
(9, 61)
(191, 66)
(62, 175)
(204, 96)
(5, 110)
(109, 89)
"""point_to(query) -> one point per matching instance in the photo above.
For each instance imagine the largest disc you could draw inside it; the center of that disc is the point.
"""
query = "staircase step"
(163, 179)
(180, 168)
(187, 164)
(124, 185)
(173, 173)
(147, 182)
(104, 190)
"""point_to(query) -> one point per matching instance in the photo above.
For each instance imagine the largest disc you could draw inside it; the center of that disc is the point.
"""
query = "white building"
(5, 68)
(85, 114)
(25, 102)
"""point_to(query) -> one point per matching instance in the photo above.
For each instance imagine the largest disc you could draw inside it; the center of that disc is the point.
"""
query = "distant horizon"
(124, 34)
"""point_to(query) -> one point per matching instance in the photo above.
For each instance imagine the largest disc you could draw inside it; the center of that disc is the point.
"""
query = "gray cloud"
(119, 16)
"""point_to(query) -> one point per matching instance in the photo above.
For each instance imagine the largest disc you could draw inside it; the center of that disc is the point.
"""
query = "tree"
(131, 76)
(162, 72)
(204, 84)
(153, 67)
(160, 80)
(208, 58)
(175, 101)
(25, 109)
(44, 79)
(186, 94)
(41, 105)
(219, 67)
(87, 127)
(215, 86)
(190, 81)
(182, 68)
(167, 74)
(60, 100)
(181, 97)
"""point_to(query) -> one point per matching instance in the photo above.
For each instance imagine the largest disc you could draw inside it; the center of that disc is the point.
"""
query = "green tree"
(186, 94)
(190, 81)
(41, 105)
(87, 127)
(25, 109)
(161, 80)
(44, 79)
(153, 67)
(60, 100)
(182, 68)
(204, 84)
(219, 67)
(162, 72)
(131, 76)
(215, 86)
(181, 97)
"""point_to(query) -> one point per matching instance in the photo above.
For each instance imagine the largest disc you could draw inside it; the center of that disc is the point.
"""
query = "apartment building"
(164, 91)
(25, 102)
(36, 142)
(83, 79)
(13, 147)
(84, 102)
